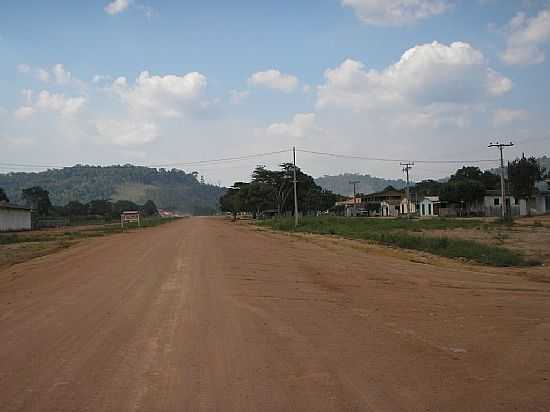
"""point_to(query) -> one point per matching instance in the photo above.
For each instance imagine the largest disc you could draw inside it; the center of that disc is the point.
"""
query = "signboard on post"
(130, 216)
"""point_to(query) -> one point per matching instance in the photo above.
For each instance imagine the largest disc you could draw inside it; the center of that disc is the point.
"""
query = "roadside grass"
(96, 231)
(402, 233)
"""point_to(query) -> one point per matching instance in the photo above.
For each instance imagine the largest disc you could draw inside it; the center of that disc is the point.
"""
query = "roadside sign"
(130, 216)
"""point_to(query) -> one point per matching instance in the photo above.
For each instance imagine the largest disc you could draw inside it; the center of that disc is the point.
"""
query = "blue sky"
(154, 82)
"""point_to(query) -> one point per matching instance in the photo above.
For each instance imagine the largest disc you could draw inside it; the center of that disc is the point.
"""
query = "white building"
(539, 204)
(14, 217)
(390, 208)
(407, 207)
(430, 206)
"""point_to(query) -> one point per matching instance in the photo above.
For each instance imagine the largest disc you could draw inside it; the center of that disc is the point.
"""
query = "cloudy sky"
(170, 82)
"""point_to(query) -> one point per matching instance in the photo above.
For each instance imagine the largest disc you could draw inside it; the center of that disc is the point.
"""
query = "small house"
(390, 208)
(14, 217)
(430, 206)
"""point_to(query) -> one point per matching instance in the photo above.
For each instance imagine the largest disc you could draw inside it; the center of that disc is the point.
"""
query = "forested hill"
(367, 183)
(169, 189)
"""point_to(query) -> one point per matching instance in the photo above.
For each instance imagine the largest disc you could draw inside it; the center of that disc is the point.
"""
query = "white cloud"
(42, 75)
(48, 102)
(526, 37)
(58, 73)
(23, 68)
(302, 125)
(237, 97)
(503, 117)
(59, 103)
(99, 78)
(117, 6)
(27, 96)
(274, 79)
(127, 132)
(148, 11)
(16, 141)
(425, 74)
(61, 75)
(166, 96)
(395, 12)
(24, 112)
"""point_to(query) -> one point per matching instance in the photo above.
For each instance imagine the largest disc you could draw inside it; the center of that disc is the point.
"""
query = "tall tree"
(100, 208)
(488, 179)
(279, 181)
(523, 174)
(231, 201)
(272, 189)
(3, 196)
(75, 208)
(464, 191)
(149, 209)
(428, 188)
(38, 199)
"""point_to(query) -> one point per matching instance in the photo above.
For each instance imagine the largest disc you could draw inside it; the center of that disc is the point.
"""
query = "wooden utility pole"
(295, 190)
(502, 183)
(406, 168)
(354, 182)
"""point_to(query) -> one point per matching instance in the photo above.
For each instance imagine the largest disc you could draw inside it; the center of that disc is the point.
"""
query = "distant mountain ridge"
(169, 189)
(367, 184)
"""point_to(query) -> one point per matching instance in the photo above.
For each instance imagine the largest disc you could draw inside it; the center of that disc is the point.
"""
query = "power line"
(378, 159)
(193, 163)
(222, 160)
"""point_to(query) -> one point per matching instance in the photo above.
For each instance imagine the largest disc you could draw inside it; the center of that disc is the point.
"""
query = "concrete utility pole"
(354, 182)
(502, 187)
(295, 190)
(406, 168)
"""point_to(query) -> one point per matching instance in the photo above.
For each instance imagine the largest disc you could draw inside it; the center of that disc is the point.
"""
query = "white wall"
(541, 204)
(14, 219)
(428, 208)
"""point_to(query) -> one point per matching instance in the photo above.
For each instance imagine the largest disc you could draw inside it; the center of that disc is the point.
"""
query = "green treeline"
(169, 189)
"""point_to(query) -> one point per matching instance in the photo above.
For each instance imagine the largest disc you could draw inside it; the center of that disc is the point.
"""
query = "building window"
(429, 209)
(516, 201)
(496, 201)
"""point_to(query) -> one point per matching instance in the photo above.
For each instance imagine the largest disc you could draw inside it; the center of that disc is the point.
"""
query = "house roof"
(432, 198)
(6, 205)
(496, 192)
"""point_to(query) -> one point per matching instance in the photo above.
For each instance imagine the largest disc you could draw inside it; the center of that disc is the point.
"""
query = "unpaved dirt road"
(204, 315)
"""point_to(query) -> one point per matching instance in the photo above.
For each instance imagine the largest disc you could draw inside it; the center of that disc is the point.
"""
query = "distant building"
(390, 208)
(407, 207)
(349, 207)
(389, 194)
(429, 206)
(492, 204)
(13, 217)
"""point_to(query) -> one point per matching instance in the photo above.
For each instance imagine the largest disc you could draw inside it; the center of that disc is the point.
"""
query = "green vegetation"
(169, 189)
(397, 232)
(3, 196)
(523, 174)
(272, 190)
(96, 231)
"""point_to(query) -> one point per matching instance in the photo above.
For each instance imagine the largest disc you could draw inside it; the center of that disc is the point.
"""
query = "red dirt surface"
(204, 314)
